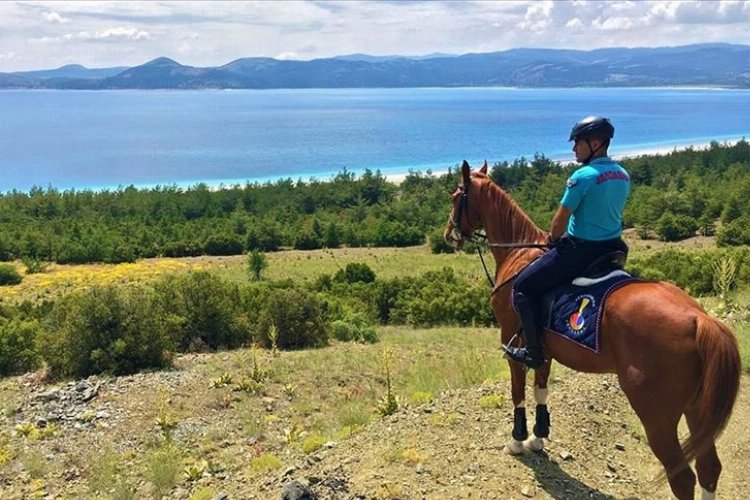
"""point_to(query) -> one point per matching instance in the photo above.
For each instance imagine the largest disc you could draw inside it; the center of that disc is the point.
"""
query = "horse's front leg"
(518, 392)
(542, 424)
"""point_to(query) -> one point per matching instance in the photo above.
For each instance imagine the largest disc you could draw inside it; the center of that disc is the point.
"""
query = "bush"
(691, 270)
(106, 329)
(223, 244)
(441, 298)
(34, 266)
(734, 233)
(9, 275)
(181, 249)
(354, 327)
(438, 243)
(17, 352)
(256, 263)
(671, 227)
(299, 319)
(210, 309)
(355, 272)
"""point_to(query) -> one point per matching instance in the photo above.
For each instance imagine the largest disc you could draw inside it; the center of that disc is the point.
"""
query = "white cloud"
(112, 34)
(122, 33)
(55, 18)
(612, 24)
(214, 33)
(574, 23)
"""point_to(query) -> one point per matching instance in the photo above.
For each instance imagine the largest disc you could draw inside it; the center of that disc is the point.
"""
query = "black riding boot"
(531, 355)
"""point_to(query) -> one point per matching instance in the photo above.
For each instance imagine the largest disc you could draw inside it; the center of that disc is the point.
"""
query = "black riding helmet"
(592, 126)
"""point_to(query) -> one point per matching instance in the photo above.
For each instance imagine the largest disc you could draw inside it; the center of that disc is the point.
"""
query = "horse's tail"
(718, 389)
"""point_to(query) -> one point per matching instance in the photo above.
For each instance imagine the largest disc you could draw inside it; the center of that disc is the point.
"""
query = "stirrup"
(506, 347)
(511, 353)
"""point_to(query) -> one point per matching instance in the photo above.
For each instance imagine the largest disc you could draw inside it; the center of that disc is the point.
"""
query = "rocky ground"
(597, 450)
(448, 449)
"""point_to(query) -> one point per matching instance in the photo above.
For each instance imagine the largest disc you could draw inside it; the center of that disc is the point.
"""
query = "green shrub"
(256, 263)
(355, 272)
(298, 316)
(9, 275)
(210, 311)
(438, 243)
(354, 327)
(223, 244)
(692, 271)
(17, 351)
(675, 227)
(106, 329)
(307, 239)
(181, 249)
(34, 266)
(441, 298)
(734, 233)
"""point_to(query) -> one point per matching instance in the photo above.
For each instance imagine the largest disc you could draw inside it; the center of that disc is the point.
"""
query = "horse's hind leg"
(662, 437)
(707, 464)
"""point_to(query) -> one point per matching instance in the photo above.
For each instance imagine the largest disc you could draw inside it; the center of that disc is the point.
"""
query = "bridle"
(457, 235)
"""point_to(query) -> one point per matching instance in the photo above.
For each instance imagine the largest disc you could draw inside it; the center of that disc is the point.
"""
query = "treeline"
(674, 196)
(127, 224)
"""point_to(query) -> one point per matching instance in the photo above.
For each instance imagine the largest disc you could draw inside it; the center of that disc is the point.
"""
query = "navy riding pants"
(558, 266)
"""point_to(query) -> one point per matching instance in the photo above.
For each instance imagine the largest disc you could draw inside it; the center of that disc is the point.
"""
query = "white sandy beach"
(617, 154)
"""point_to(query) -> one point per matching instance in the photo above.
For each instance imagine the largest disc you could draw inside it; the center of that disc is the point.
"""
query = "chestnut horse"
(671, 358)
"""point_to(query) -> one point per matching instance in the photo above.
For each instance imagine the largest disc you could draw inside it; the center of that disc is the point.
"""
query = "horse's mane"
(510, 215)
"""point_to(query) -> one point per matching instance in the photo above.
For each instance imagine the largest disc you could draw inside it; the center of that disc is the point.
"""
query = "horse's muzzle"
(454, 237)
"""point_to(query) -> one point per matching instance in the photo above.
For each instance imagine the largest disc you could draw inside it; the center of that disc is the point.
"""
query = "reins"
(502, 245)
(473, 236)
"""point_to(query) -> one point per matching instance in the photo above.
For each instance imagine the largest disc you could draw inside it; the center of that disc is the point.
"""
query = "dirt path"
(454, 449)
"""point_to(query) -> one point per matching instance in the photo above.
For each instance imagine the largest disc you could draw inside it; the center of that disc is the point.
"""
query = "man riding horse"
(587, 225)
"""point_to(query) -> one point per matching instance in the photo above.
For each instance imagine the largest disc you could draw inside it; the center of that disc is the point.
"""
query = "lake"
(104, 139)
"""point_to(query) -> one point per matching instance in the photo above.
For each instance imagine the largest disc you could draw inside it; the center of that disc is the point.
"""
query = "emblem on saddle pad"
(576, 321)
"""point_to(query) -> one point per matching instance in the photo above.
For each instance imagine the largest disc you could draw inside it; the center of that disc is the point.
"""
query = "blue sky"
(41, 35)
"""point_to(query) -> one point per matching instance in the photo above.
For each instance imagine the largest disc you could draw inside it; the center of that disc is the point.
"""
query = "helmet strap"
(594, 151)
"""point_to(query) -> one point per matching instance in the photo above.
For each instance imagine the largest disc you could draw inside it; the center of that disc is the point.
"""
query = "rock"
(611, 467)
(620, 446)
(565, 455)
(221, 496)
(51, 395)
(298, 490)
(528, 491)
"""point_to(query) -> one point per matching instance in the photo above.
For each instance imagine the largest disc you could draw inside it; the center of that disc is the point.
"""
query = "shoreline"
(617, 154)
(396, 175)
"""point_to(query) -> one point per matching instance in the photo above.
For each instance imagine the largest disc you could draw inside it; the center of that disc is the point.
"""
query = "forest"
(674, 196)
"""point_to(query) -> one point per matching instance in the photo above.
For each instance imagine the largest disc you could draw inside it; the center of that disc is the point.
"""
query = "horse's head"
(464, 218)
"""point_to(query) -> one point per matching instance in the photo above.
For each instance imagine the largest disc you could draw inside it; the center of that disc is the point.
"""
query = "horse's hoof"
(534, 444)
(514, 447)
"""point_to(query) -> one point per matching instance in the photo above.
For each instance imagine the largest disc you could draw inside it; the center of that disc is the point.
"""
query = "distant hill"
(702, 64)
(72, 71)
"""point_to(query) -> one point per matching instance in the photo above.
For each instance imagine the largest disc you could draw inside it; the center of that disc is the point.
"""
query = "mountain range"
(716, 64)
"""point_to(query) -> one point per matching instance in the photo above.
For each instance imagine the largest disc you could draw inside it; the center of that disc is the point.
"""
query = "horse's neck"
(505, 222)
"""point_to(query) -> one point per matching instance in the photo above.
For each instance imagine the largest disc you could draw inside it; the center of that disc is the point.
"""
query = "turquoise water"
(98, 139)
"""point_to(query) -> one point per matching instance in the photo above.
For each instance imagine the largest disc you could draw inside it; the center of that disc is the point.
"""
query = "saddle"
(574, 310)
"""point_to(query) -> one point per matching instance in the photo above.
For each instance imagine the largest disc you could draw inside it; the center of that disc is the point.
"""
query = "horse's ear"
(466, 172)
(484, 168)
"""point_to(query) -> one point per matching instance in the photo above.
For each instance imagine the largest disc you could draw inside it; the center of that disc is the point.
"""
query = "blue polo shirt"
(596, 195)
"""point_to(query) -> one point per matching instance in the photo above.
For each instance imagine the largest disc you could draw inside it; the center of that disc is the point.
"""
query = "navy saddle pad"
(575, 311)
